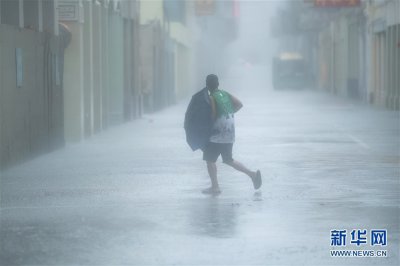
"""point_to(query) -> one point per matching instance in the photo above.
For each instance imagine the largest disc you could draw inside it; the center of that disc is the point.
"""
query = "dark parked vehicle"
(290, 71)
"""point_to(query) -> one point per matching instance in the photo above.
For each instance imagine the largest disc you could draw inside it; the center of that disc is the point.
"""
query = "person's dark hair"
(212, 81)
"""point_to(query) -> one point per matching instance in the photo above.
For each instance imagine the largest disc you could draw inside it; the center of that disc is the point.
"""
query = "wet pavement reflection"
(213, 218)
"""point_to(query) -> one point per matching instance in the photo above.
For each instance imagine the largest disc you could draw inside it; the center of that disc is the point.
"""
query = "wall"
(72, 95)
(32, 114)
(73, 85)
(115, 69)
(383, 39)
(101, 68)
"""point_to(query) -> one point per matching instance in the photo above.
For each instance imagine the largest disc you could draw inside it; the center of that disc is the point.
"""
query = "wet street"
(132, 194)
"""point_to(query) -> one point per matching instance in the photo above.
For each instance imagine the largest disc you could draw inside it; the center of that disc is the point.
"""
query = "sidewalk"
(131, 195)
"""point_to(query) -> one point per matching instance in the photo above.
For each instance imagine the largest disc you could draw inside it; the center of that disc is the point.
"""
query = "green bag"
(223, 102)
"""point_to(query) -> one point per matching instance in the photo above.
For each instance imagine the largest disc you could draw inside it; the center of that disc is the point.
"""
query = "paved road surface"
(131, 195)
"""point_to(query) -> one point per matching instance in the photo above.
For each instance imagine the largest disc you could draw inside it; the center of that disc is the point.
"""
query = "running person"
(223, 107)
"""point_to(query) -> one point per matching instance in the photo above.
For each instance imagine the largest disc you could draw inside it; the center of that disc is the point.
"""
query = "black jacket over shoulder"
(198, 121)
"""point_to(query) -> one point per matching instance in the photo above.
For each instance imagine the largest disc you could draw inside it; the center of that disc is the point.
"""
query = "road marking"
(355, 139)
(359, 141)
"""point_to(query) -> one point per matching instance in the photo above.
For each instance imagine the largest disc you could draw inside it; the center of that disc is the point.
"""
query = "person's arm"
(237, 104)
(213, 109)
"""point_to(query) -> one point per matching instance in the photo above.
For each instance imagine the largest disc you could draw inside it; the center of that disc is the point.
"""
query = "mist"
(207, 132)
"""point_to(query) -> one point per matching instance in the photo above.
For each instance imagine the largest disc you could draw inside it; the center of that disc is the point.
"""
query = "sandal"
(257, 182)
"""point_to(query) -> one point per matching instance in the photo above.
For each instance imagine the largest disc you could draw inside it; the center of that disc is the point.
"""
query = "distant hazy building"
(216, 26)
(353, 45)
(383, 42)
(165, 53)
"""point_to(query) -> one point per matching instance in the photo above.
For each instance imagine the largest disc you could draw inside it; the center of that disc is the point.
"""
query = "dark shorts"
(213, 150)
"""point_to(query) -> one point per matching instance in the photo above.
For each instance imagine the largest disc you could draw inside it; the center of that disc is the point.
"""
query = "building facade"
(356, 49)
(31, 79)
(72, 68)
(101, 65)
(383, 40)
(215, 27)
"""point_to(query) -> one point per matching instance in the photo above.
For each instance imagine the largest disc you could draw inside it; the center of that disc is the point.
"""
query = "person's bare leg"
(255, 176)
(212, 172)
(240, 167)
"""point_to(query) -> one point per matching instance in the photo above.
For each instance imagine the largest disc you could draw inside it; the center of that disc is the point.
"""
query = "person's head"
(212, 82)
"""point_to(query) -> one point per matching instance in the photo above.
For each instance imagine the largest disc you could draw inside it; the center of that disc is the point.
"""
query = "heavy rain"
(201, 132)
